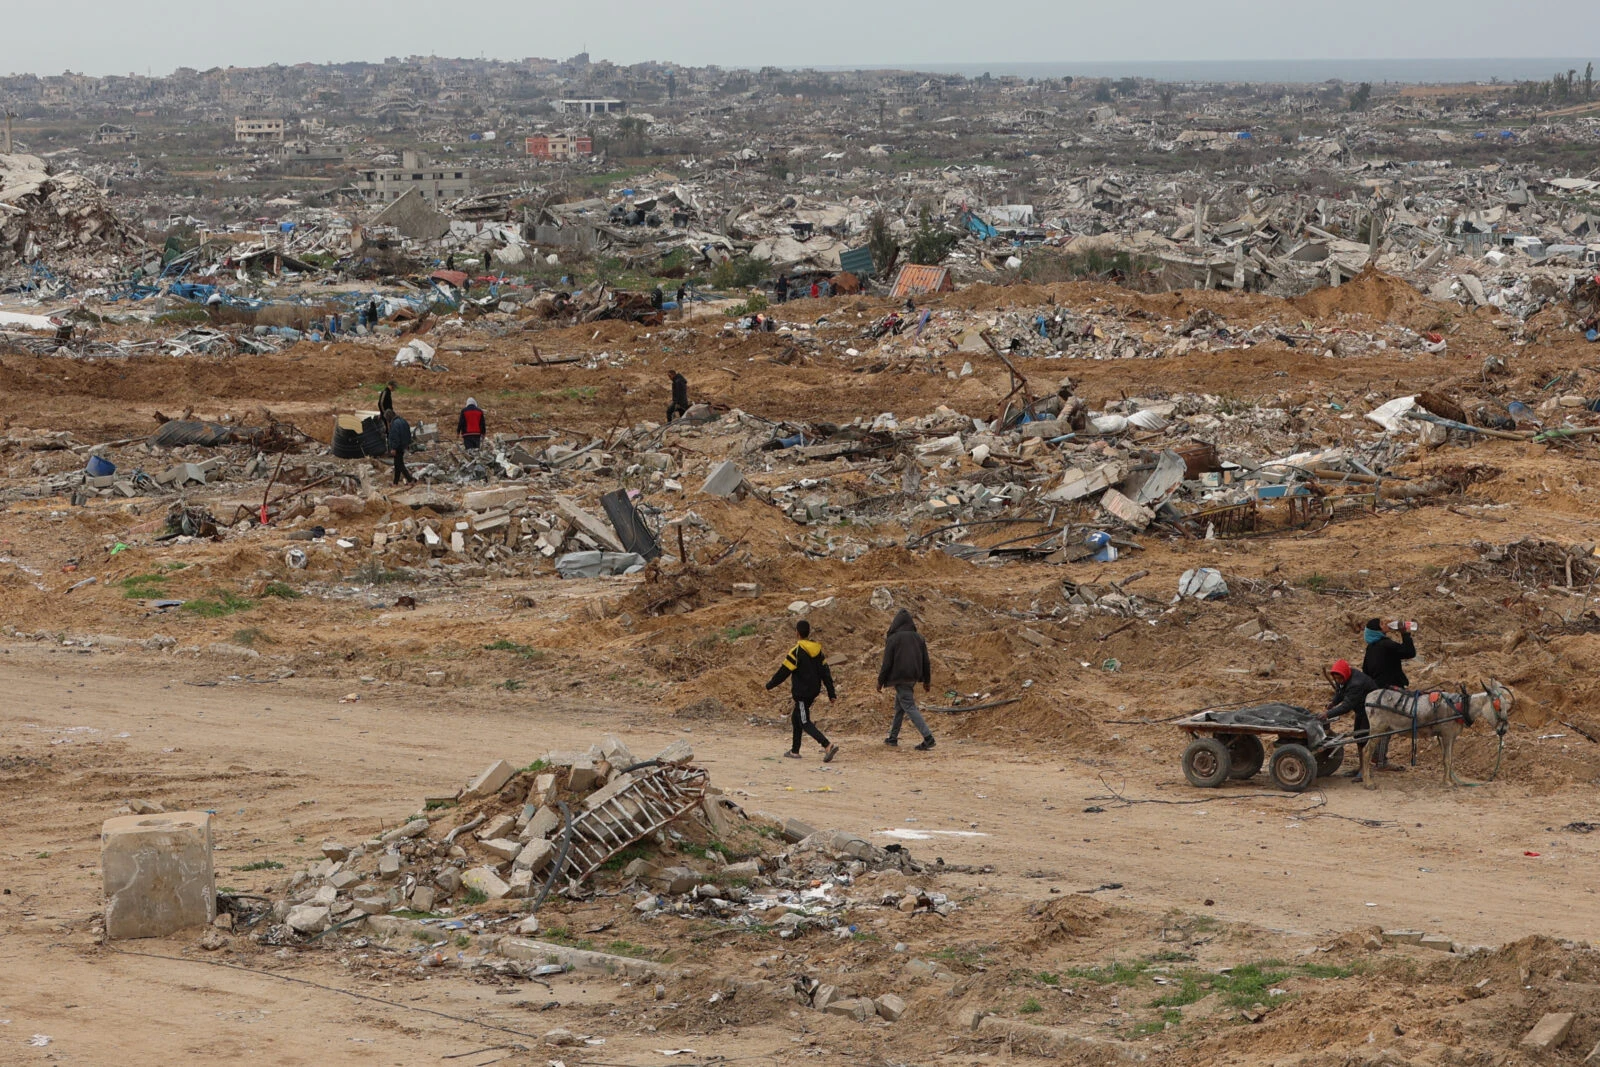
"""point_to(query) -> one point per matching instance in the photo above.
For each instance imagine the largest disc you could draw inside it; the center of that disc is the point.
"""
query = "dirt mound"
(1372, 294)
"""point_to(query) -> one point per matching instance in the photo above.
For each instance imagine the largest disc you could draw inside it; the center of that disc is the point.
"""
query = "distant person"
(471, 425)
(782, 288)
(905, 663)
(657, 298)
(806, 667)
(680, 396)
(827, 287)
(386, 404)
(683, 295)
(816, 290)
(1383, 663)
(372, 312)
(399, 441)
(450, 261)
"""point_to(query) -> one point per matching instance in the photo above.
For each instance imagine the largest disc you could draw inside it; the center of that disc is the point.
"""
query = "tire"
(1206, 762)
(1329, 761)
(1246, 755)
(1293, 768)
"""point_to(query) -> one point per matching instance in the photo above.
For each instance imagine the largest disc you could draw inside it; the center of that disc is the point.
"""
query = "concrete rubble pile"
(54, 216)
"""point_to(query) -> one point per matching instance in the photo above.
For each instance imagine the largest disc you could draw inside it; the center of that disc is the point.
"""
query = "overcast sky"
(105, 37)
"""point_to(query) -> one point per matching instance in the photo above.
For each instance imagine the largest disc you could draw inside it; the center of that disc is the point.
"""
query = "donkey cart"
(1229, 744)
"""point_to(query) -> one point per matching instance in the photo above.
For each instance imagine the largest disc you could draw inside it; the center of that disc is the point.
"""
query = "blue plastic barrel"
(100, 468)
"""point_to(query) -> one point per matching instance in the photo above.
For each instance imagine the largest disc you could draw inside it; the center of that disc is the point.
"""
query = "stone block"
(545, 822)
(448, 881)
(343, 879)
(543, 790)
(825, 995)
(607, 791)
(535, 856)
(389, 865)
(496, 827)
(1134, 514)
(372, 903)
(1548, 1033)
(308, 918)
(749, 590)
(674, 879)
(1438, 944)
(724, 480)
(493, 779)
(520, 883)
(503, 847)
(795, 831)
(414, 828)
(485, 499)
(1403, 937)
(858, 1008)
(616, 753)
(335, 851)
(422, 898)
(680, 751)
(485, 881)
(157, 873)
(969, 1019)
(890, 1007)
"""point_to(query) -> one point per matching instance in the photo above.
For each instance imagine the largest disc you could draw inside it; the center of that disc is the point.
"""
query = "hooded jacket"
(806, 667)
(1352, 696)
(472, 420)
(399, 434)
(1383, 659)
(905, 654)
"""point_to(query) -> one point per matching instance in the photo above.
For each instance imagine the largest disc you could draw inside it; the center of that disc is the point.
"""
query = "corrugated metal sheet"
(857, 261)
(914, 280)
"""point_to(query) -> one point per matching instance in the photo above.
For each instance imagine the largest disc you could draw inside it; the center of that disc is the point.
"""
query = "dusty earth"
(1220, 897)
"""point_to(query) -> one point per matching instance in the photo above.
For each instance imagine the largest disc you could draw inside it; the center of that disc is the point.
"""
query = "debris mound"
(51, 215)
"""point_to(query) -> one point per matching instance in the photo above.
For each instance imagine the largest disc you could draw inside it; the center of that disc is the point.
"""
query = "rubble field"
(386, 695)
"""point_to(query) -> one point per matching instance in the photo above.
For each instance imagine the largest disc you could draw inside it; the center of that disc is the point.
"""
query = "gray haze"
(102, 37)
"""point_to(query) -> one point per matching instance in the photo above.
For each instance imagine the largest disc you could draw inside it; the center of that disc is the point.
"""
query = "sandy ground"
(283, 765)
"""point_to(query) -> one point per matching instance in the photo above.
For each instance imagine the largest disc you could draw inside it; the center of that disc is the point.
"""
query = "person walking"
(806, 667)
(471, 425)
(1350, 691)
(399, 441)
(680, 396)
(905, 663)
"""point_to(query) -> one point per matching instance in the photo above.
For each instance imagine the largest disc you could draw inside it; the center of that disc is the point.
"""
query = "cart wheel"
(1292, 768)
(1329, 760)
(1246, 755)
(1206, 762)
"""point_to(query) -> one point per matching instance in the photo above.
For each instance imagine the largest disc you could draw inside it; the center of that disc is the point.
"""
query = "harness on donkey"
(1460, 704)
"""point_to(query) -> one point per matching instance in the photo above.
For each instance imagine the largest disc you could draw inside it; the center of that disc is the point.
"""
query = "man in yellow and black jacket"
(806, 667)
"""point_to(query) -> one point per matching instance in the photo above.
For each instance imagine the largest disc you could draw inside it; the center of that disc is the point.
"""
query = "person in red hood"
(471, 425)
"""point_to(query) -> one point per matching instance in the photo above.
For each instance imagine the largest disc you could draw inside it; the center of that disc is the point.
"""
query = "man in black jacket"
(806, 667)
(1351, 695)
(680, 396)
(1382, 663)
(905, 663)
(399, 441)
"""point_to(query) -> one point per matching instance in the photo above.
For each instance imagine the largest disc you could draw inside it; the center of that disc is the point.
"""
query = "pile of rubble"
(52, 216)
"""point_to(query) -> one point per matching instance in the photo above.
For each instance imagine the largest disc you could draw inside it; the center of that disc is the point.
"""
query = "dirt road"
(285, 764)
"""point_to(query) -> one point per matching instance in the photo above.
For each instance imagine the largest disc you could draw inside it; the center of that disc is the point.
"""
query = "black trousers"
(800, 719)
(675, 409)
(471, 440)
(400, 467)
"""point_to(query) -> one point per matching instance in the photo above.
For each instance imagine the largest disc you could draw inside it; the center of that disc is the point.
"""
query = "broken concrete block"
(680, 751)
(825, 995)
(543, 790)
(503, 848)
(422, 898)
(343, 879)
(969, 1019)
(485, 881)
(535, 855)
(1402, 937)
(157, 873)
(389, 865)
(589, 524)
(496, 827)
(616, 753)
(489, 782)
(1439, 944)
(890, 1007)
(722, 815)
(487, 499)
(458, 541)
(582, 777)
(749, 590)
(335, 851)
(448, 880)
(724, 480)
(858, 1008)
(372, 903)
(520, 882)
(1548, 1033)
(414, 828)
(308, 918)
(674, 880)
(545, 821)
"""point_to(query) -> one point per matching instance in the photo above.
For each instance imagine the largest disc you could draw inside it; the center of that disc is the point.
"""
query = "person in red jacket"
(471, 424)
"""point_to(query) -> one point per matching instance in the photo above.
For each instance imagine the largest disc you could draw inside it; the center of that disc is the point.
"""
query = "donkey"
(1444, 715)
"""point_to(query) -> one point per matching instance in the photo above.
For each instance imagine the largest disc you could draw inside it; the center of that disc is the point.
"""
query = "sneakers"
(927, 743)
(791, 755)
(832, 751)
(891, 742)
